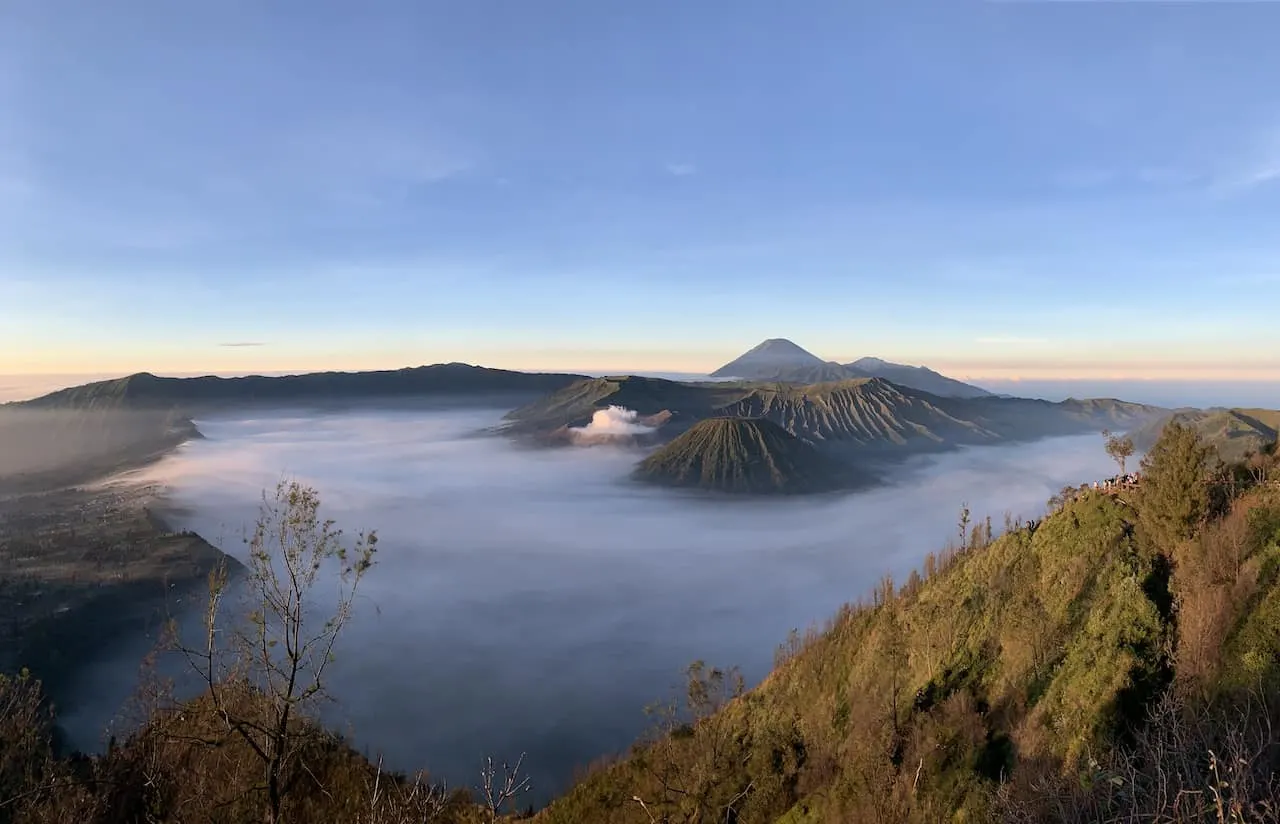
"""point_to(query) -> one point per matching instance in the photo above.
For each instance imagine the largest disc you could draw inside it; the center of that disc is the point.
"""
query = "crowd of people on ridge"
(1117, 481)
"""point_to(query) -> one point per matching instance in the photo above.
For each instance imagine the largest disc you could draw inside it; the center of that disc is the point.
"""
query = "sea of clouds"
(536, 599)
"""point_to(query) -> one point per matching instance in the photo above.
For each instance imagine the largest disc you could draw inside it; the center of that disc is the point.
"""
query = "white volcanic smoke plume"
(616, 420)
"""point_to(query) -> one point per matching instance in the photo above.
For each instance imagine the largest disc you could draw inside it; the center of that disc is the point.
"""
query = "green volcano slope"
(1077, 670)
(742, 455)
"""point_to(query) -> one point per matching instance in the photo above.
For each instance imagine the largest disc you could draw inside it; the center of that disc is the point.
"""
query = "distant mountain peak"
(767, 359)
(871, 363)
(782, 360)
(782, 347)
(916, 377)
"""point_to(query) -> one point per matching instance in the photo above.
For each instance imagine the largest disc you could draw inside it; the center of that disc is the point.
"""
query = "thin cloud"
(1009, 340)
(1266, 172)
(1154, 176)
(241, 343)
(1259, 166)
(681, 169)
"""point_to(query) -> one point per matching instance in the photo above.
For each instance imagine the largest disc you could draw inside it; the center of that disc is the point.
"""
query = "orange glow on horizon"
(271, 360)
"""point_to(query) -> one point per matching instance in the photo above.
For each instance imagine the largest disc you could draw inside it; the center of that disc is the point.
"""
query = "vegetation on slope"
(1234, 434)
(742, 455)
(1119, 661)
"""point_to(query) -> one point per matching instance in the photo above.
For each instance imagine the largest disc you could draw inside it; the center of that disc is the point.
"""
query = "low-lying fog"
(536, 599)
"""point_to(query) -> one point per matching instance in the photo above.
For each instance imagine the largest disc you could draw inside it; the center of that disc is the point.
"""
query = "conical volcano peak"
(768, 360)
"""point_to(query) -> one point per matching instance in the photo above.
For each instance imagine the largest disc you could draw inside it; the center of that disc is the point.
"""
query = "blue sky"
(1030, 190)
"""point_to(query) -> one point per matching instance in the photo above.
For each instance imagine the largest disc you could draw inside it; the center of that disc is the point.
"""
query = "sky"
(1002, 191)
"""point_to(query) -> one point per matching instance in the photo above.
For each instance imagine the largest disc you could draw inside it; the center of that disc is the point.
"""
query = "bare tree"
(501, 788)
(264, 676)
(415, 801)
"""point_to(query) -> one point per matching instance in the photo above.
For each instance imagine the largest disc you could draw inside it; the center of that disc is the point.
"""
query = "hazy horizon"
(1166, 393)
(474, 540)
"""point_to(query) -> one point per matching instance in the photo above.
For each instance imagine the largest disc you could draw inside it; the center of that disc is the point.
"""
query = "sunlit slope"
(740, 455)
(1231, 432)
(1027, 656)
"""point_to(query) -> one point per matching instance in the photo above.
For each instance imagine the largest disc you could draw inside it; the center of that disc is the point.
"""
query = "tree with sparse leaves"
(1119, 447)
(690, 785)
(263, 675)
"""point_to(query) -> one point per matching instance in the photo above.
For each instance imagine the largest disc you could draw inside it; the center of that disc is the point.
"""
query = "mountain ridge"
(780, 359)
(144, 390)
(1233, 433)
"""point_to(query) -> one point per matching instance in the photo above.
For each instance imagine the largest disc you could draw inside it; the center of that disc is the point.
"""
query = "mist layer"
(537, 600)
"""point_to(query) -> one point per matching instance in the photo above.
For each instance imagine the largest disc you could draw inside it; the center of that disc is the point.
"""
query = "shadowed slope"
(744, 456)
(147, 391)
(46, 448)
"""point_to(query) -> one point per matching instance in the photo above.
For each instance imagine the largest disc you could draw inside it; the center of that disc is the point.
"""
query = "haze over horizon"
(996, 190)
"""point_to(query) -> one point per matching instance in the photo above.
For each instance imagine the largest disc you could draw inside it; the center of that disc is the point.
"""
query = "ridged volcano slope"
(867, 413)
(742, 455)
